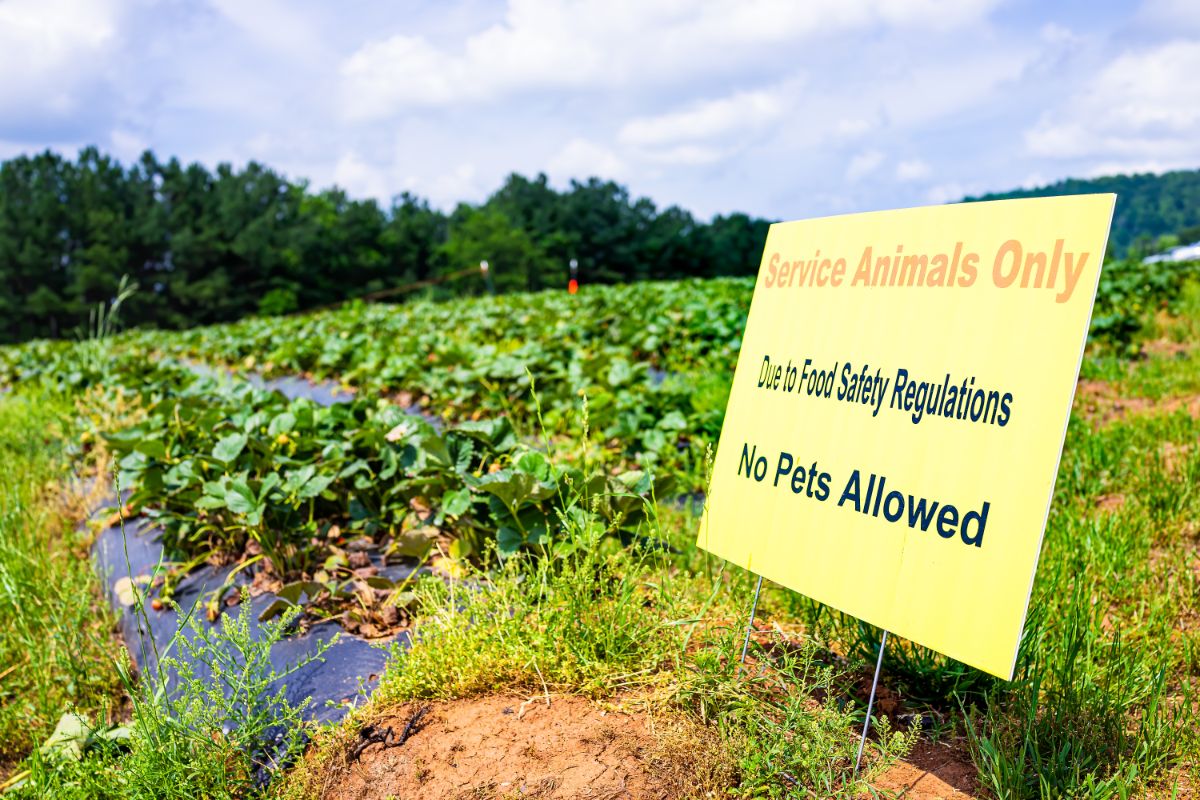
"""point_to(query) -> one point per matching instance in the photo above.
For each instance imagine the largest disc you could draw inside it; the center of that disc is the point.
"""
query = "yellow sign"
(899, 408)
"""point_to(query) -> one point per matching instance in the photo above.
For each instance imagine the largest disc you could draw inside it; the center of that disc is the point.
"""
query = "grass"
(63, 663)
(217, 739)
(56, 649)
(1103, 705)
(629, 625)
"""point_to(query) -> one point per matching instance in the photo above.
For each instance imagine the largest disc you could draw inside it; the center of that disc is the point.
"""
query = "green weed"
(220, 736)
(55, 647)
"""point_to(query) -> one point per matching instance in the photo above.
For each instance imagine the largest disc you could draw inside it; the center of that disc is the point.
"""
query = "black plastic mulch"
(343, 677)
(346, 673)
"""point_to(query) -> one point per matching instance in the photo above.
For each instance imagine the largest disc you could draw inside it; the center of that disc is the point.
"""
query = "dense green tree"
(732, 245)
(514, 260)
(1148, 205)
(411, 239)
(213, 245)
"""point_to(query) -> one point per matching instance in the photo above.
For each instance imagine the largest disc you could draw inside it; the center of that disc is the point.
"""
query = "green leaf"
(381, 583)
(509, 540)
(283, 423)
(315, 486)
(403, 599)
(514, 488)
(152, 447)
(270, 481)
(68, 740)
(536, 464)
(498, 433)
(461, 549)
(619, 372)
(636, 481)
(240, 499)
(275, 609)
(413, 544)
(456, 503)
(228, 448)
(673, 421)
(356, 466)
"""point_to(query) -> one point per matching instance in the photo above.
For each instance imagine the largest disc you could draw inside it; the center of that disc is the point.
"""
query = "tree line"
(209, 246)
(1153, 212)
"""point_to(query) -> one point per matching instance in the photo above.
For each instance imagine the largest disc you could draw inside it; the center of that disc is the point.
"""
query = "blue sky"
(777, 107)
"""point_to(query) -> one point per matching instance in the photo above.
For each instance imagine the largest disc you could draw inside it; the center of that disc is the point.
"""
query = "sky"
(780, 108)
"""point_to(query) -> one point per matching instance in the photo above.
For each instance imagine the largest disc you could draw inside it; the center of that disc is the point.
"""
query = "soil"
(1101, 403)
(1167, 347)
(932, 770)
(1110, 503)
(500, 747)
(510, 747)
(1174, 456)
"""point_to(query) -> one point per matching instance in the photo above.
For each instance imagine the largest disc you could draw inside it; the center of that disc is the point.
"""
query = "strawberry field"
(541, 458)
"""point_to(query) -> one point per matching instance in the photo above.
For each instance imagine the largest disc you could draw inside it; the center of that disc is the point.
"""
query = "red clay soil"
(1166, 347)
(499, 747)
(503, 747)
(932, 770)
(1101, 403)
(1110, 503)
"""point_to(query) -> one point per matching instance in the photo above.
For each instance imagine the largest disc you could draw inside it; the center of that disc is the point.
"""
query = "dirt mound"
(497, 748)
(500, 747)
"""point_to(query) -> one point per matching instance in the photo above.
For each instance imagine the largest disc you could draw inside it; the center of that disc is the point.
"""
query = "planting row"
(298, 492)
(654, 360)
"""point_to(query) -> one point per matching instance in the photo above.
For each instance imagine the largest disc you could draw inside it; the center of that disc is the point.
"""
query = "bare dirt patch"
(1110, 503)
(1101, 403)
(500, 747)
(1174, 456)
(932, 770)
(1167, 347)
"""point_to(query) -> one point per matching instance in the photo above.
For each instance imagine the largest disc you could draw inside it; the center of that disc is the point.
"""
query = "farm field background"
(552, 449)
(362, 371)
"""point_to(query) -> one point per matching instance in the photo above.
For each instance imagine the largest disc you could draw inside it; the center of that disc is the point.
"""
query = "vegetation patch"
(558, 562)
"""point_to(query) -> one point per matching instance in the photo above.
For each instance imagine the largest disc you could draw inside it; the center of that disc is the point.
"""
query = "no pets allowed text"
(869, 496)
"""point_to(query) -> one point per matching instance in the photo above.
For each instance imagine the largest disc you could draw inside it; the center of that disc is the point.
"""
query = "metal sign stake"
(749, 627)
(870, 704)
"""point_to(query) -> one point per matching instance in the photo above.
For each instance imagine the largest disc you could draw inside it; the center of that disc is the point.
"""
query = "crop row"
(653, 361)
(298, 491)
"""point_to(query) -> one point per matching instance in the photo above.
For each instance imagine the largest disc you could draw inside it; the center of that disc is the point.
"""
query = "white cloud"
(913, 169)
(462, 183)
(1053, 33)
(399, 71)
(709, 119)
(775, 107)
(127, 145)
(1142, 106)
(606, 44)
(686, 155)
(1135, 166)
(852, 128)
(359, 178)
(864, 164)
(583, 158)
(279, 26)
(949, 192)
(1033, 180)
(51, 49)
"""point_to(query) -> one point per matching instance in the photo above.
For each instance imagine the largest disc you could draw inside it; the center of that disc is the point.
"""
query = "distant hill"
(1148, 206)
